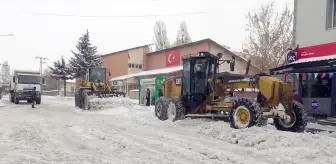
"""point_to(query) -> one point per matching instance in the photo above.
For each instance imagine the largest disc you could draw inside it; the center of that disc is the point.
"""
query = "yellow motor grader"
(95, 86)
(204, 92)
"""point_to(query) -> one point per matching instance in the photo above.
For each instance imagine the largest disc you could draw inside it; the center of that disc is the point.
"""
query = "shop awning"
(162, 71)
(311, 65)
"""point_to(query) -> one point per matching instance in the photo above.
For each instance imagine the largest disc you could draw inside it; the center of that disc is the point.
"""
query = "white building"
(314, 22)
(315, 59)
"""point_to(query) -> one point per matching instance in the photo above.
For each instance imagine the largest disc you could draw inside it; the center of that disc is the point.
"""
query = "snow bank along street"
(56, 132)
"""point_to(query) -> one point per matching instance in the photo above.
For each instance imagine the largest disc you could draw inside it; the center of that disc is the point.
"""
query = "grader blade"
(208, 116)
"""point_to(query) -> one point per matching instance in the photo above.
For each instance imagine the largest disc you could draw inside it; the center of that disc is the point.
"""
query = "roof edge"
(179, 46)
(147, 45)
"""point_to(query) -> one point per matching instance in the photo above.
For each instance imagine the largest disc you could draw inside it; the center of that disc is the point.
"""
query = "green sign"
(158, 84)
(139, 86)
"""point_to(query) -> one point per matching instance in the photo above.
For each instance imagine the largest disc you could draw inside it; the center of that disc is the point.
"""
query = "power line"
(123, 16)
(104, 16)
(6, 34)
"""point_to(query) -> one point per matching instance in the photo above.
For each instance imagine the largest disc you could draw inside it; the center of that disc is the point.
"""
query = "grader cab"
(204, 92)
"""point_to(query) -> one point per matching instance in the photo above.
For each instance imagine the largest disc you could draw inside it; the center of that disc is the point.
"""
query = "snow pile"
(129, 133)
(2, 103)
(110, 102)
(5, 100)
(300, 147)
(72, 98)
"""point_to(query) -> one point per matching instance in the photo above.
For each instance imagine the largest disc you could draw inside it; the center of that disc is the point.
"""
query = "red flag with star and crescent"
(173, 58)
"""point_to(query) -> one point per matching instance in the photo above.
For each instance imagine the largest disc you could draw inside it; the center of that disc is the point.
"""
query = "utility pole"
(5, 79)
(42, 59)
(3, 76)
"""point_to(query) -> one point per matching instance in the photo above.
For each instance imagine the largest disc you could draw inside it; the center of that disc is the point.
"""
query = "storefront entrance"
(153, 85)
(145, 86)
(316, 84)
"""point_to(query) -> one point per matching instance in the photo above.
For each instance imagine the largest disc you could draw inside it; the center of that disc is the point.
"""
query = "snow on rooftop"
(26, 71)
(151, 72)
(305, 60)
(71, 81)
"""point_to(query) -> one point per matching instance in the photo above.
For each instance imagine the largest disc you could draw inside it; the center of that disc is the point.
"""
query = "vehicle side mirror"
(13, 79)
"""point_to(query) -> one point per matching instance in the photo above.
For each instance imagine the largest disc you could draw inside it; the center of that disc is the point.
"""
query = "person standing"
(297, 97)
(33, 97)
(148, 97)
(160, 92)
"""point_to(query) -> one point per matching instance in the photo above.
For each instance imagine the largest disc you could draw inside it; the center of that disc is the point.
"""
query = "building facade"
(124, 62)
(314, 22)
(172, 56)
(168, 63)
(313, 62)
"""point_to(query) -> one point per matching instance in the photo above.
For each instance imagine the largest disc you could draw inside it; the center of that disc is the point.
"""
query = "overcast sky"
(51, 28)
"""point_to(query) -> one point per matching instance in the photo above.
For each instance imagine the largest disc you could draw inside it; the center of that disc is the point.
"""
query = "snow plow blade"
(88, 100)
(211, 116)
(108, 102)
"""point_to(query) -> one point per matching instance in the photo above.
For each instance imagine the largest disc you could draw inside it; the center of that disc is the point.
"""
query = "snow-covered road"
(56, 132)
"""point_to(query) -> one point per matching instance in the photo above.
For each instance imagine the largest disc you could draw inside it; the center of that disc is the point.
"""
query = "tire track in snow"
(252, 143)
(182, 144)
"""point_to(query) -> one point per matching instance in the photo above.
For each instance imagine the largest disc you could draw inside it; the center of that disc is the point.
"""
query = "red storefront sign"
(316, 51)
(173, 58)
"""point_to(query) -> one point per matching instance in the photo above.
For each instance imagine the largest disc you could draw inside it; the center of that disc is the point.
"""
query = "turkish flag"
(173, 58)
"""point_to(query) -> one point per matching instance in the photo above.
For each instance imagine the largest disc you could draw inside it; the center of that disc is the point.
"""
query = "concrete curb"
(321, 121)
(325, 122)
(313, 130)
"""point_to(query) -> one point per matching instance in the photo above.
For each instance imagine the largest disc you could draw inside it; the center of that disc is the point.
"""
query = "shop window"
(316, 87)
(129, 65)
(132, 65)
(136, 65)
(140, 66)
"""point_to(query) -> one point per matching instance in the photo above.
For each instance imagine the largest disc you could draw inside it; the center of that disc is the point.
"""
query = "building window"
(131, 65)
(334, 13)
(316, 87)
(331, 14)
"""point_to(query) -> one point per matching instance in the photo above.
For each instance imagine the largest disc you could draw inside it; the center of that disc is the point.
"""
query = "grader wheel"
(169, 109)
(245, 113)
(298, 121)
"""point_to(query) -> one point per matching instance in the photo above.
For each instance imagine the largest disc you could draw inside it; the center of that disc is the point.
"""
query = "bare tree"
(50, 82)
(270, 34)
(160, 36)
(183, 36)
(61, 71)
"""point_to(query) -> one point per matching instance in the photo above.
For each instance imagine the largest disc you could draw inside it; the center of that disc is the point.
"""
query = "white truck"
(22, 85)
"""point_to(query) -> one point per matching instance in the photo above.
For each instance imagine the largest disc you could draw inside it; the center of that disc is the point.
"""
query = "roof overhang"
(311, 65)
(161, 71)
